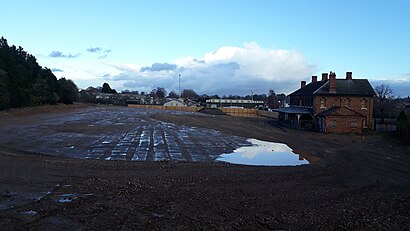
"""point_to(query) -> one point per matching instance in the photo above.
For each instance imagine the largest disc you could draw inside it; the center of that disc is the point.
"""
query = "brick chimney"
(332, 82)
(302, 84)
(314, 79)
(349, 75)
(324, 76)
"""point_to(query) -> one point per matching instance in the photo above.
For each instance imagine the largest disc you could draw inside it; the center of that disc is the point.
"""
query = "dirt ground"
(360, 182)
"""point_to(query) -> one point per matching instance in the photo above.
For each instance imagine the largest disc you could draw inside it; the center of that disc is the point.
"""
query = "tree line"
(271, 99)
(23, 82)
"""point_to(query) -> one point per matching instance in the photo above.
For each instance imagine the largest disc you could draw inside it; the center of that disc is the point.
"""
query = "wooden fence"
(160, 107)
(244, 112)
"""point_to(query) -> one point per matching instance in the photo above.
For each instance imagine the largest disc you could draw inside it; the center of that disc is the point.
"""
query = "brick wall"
(344, 124)
(301, 100)
(355, 104)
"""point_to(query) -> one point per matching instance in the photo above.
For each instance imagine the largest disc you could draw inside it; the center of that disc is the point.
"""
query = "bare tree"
(172, 94)
(384, 91)
(272, 99)
(159, 92)
(189, 94)
(384, 94)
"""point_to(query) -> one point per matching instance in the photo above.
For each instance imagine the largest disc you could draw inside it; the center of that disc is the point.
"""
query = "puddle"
(30, 213)
(264, 153)
(66, 198)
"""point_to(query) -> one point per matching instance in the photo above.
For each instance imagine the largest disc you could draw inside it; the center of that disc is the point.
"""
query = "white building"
(242, 103)
(175, 102)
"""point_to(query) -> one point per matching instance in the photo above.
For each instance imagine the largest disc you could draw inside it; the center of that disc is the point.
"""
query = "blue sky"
(222, 47)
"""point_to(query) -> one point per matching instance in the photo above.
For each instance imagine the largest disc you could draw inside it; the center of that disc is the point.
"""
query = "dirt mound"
(212, 111)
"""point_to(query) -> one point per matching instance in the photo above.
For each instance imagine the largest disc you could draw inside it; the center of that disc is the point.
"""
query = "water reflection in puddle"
(264, 153)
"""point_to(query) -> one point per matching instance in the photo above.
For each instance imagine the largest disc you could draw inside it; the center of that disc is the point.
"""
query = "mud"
(117, 133)
(360, 183)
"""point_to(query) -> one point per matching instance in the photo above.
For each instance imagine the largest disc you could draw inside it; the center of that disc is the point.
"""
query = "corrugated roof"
(295, 110)
(340, 111)
(358, 87)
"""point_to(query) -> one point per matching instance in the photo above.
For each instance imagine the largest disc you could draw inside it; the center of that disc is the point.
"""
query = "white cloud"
(228, 70)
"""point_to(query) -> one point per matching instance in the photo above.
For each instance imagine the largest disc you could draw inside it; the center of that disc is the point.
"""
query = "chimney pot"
(324, 76)
(314, 79)
(349, 75)
(302, 84)
(332, 82)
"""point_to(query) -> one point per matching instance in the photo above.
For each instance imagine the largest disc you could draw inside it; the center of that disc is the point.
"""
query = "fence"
(389, 125)
(244, 112)
(159, 107)
(404, 132)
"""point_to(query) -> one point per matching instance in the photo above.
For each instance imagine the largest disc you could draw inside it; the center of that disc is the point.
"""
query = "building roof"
(309, 88)
(244, 101)
(353, 87)
(295, 110)
(339, 111)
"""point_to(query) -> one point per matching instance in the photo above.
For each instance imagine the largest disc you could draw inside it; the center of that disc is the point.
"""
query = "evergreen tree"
(67, 90)
(107, 89)
(23, 82)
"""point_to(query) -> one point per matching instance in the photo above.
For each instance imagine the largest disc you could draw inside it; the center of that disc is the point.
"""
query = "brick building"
(331, 105)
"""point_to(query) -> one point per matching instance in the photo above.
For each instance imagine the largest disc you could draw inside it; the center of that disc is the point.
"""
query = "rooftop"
(295, 110)
(357, 87)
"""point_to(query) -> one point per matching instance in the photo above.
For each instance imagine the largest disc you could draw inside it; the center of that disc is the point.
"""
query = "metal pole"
(252, 99)
(179, 85)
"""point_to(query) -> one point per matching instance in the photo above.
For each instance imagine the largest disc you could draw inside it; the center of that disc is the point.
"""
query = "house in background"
(175, 102)
(331, 105)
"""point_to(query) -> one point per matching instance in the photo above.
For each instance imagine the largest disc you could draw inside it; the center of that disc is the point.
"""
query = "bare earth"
(360, 183)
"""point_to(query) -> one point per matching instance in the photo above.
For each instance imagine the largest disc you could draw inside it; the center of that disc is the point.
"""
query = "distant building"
(175, 102)
(241, 103)
(331, 105)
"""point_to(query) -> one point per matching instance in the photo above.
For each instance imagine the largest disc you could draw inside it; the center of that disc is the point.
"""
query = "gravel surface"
(360, 182)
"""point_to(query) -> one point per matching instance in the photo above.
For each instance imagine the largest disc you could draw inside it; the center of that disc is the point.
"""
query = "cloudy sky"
(218, 47)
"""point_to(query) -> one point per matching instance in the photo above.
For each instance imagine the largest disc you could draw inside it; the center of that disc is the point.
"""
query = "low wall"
(159, 107)
(245, 112)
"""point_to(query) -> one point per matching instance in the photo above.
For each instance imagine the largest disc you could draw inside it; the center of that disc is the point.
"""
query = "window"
(347, 102)
(353, 124)
(364, 104)
(337, 102)
(322, 103)
(332, 123)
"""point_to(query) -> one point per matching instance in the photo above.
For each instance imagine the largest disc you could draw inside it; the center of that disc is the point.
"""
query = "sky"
(217, 47)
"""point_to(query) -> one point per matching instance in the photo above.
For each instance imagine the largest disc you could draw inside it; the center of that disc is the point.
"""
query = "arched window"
(336, 102)
(322, 102)
(364, 104)
(347, 102)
